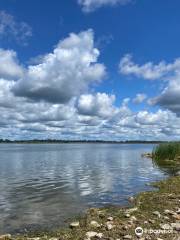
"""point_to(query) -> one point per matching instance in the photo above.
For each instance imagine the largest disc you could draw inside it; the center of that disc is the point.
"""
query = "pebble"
(151, 221)
(110, 219)
(176, 226)
(109, 226)
(157, 214)
(167, 211)
(166, 226)
(5, 236)
(74, 224)
(95, 224)
(176, 216)
(133, 218)
(127, 215)
(127, 237)
(92, 234)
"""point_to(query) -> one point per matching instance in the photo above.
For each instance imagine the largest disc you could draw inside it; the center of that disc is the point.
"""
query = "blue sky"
(123, 77)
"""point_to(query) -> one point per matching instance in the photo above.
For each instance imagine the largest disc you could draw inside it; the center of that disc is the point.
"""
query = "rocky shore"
(153, 215)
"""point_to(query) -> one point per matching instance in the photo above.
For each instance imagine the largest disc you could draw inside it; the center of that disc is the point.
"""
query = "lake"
(42, 185)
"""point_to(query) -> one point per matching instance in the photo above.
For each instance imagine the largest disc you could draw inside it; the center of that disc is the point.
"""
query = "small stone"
(127, 215)
(91, 234)
(109, 226)
(95, 224)
(156, 213)
(130, 210)
(125, 227)
(176, 216)
(5, 236)
(159, 239)
(99, 235)
(110, 219)
(176, 226)
(145, 222)
(34, 238)
(131, 199)
(74, 224)
(166, 227)
(166, 217)
(53, 238)
(178, 211)
(133, 218)
(127, 237)
(167, 211)
(151, 221)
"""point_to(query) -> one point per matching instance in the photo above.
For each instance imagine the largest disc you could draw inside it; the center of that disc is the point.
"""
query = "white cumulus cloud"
(91, 5)
(65, 72)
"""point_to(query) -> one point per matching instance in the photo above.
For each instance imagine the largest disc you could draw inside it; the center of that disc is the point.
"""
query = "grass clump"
(167, 151)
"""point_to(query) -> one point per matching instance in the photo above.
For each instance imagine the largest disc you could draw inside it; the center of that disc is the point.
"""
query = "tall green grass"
(167, 151)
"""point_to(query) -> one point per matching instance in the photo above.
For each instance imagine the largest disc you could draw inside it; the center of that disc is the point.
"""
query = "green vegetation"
(167, 157)
(167, 151)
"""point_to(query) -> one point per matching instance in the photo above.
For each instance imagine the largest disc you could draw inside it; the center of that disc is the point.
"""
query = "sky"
(90, 69)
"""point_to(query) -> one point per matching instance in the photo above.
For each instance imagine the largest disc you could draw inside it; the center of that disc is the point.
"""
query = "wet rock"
(74, 224)
(127, 237)
(175, 226)
(131, 199)
(95, 224)
(156, 213)
(5, 237)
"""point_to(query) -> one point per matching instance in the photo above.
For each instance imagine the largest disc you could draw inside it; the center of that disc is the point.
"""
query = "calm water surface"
(41, 185)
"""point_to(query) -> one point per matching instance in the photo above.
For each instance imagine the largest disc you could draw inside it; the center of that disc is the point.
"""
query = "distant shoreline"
(35, 141)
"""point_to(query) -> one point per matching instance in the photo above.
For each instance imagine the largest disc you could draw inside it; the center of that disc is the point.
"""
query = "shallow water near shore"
(41, 185)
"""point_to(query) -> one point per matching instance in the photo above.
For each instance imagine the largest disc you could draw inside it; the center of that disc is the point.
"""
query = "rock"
(151, 221)
(131, 210)
(176, 216)
(145, 222)
(131, 199)
(110, 219)
(99, 235)
(95, 224)
(167, 211)
(74, 224)
(109, 226)
(53, 238)
(34, 238)
(133, 218)
(159, 239)
(178, 211)
(127, 237)
(156, 213)
(166, 226)
(5, 236)
(91, 234)
(127, 215)
(175, 226)
(146, 155)
(125, 227)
